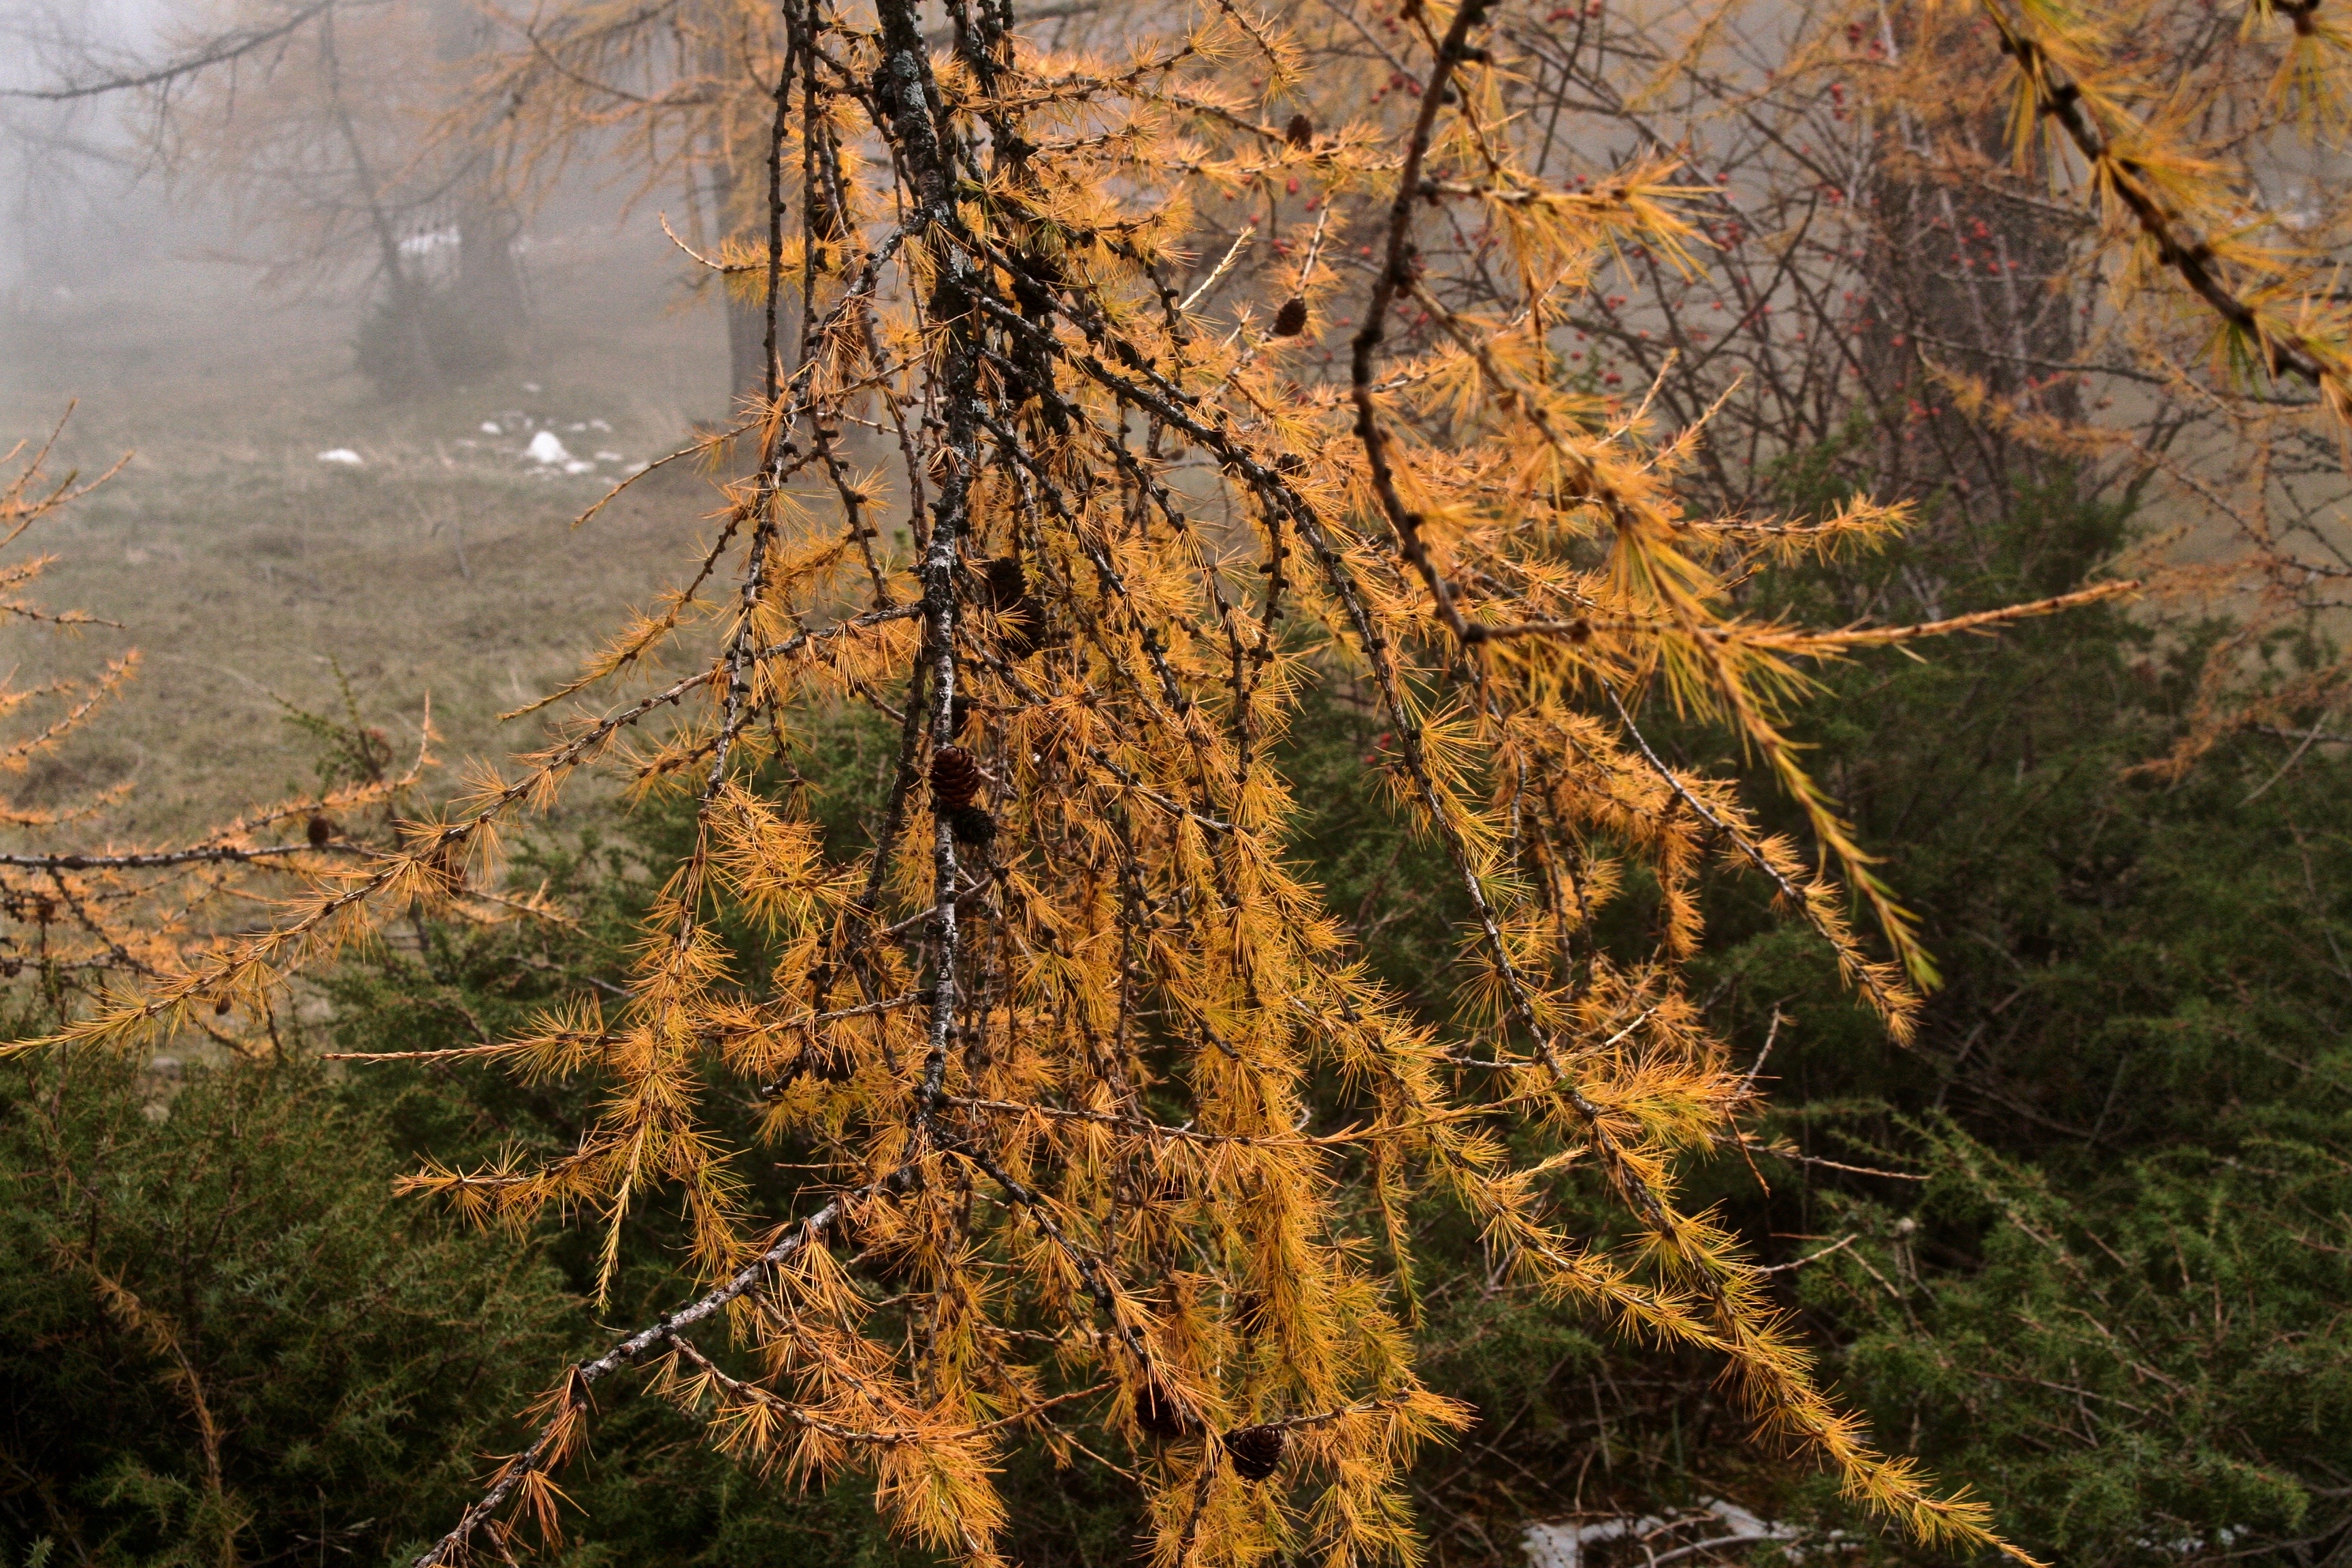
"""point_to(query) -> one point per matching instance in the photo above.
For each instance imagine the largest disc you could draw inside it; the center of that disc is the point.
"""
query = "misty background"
(299, 497)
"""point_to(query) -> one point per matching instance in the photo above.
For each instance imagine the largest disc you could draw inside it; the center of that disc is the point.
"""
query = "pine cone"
(319, 830)
(1157, 1412)
(1256, 1450)
(1300, 131)
(1007, 581)
(955, 778)
(1291, 319)
(972, 824)
(1005, 590)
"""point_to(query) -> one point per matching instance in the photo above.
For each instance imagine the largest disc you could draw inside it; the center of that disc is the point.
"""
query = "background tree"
(681, 95)
(321, 123)
(1961, 278)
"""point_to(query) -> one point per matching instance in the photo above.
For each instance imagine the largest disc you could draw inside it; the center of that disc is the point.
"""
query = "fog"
(282, 514)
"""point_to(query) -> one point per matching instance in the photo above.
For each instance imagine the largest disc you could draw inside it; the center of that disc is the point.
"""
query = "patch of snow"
(2195, 1546)
(341, 455)
(530, 387)
(1562, 1544)
(547, 447)
(489, 429)
(576, 428)
(577, 467)
(610, 458)
(600, 425)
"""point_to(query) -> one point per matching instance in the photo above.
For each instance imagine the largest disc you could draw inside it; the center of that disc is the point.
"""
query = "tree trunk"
(489, 288)
(485, 298)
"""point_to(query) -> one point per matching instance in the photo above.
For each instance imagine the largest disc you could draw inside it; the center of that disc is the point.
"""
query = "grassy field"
(443, 565)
